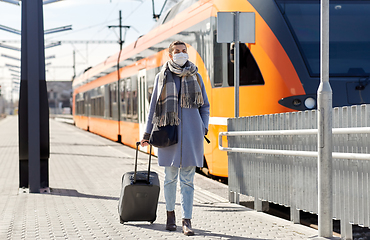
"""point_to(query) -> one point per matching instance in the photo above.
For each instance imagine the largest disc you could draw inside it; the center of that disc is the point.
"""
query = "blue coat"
(193, 123)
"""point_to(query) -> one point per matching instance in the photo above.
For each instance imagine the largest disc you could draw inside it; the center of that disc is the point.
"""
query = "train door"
(143, 103)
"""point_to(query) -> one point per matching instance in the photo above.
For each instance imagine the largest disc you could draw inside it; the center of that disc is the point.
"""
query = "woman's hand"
(144, 143)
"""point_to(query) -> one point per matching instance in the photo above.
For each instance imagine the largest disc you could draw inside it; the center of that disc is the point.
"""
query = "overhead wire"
(102, 26)
(82, 29)
(132, 12)
(106, 20)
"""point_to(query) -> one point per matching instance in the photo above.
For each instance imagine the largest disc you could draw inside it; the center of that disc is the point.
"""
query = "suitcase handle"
(150, 159)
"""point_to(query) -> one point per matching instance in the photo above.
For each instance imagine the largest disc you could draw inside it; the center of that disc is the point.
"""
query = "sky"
(90, 20)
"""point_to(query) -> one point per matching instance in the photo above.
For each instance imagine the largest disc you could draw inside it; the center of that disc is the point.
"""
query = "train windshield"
(349, 34)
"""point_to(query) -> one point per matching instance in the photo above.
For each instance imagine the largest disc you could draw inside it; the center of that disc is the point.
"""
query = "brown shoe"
(171, 221)
(186, 227)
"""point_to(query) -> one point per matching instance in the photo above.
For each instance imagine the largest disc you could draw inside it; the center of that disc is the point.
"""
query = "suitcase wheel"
(121, 221)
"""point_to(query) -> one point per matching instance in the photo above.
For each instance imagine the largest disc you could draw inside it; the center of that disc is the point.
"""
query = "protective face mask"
(180, 58)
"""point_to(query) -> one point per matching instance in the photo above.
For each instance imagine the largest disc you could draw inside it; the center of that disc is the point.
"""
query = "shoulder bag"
(163, 136)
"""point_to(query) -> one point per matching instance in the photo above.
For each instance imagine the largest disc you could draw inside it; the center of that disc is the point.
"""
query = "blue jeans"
(186, 185)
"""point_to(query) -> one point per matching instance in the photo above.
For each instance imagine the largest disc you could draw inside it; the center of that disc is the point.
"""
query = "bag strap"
(207, 140)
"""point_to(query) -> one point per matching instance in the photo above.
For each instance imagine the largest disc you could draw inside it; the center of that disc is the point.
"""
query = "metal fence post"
(324, 93)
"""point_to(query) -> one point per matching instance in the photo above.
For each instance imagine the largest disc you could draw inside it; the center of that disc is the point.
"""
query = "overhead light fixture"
(10, 65)
(15, 75)
(12, 70)
(50, 57)
(9, 29)
(53, 45)
(10, 1)
(7, 56)
(9, 47)
(50, 1)
(58, 29)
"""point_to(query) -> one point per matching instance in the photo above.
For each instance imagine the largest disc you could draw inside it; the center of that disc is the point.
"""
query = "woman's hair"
(177, 42)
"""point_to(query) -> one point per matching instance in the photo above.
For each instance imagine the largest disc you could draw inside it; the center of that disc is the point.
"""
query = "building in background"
(2, 107)
(59, 97)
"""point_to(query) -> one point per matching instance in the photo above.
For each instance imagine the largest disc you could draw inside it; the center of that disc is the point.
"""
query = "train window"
(85, 103)
(128, 98)
(112, 98)
(101, 106)
(150, 91)
(123, 100)
(349, 36)
(250, 73)
(135, 116)
(151, 73)
(114, 92)
(97, 102)
(76, 104)
(220, 63)
(101, 101)
(80, 104)
(93, 103)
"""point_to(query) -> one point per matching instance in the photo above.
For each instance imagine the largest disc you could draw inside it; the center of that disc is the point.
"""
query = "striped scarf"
(166, 110)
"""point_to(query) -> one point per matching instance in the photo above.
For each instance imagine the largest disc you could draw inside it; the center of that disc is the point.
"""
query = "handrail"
(298, 132)
(337, 155)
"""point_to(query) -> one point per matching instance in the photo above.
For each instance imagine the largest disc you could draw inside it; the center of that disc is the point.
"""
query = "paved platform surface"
(85, 173)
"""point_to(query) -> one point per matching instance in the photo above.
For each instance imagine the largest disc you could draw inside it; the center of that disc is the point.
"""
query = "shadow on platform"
(98, 156)
(198, 232)
(75, 193)
(84, 144)
(214, 208)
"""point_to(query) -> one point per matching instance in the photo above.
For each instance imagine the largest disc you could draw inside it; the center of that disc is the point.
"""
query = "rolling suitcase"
(139, 194)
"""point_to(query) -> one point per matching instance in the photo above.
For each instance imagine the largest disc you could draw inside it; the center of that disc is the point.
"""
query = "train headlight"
(309, 103)
(299, 102)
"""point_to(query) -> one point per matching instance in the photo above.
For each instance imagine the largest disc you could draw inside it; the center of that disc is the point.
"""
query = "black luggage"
(139, 194)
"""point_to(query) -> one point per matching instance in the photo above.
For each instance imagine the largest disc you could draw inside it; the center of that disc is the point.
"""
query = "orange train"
(278, 73)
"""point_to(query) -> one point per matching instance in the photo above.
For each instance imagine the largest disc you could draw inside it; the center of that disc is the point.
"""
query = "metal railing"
(339, 155)
(274, 158)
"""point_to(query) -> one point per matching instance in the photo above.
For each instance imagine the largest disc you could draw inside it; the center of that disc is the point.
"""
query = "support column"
(33, 105)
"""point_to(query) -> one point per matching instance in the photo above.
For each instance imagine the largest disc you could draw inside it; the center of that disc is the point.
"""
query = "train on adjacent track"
(280, 72)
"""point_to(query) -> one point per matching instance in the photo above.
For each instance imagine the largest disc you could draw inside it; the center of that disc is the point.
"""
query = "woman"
(187, 107)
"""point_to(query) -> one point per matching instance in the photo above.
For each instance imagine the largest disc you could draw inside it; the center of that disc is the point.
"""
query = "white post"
(324, 98)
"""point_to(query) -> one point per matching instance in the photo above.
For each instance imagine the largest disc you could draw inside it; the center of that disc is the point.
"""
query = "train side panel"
(81, 121)
(129, 133)
(105, 127)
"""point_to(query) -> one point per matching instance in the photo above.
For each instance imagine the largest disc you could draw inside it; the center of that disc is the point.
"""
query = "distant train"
(278, 73)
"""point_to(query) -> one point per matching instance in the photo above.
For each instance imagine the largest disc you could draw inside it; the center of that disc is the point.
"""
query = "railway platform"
(85, 173)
